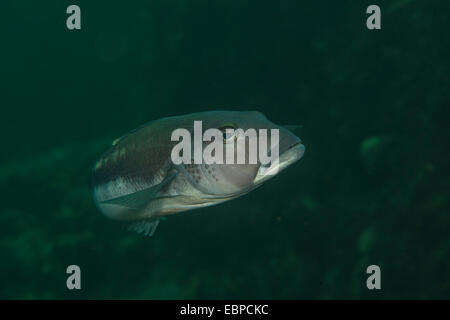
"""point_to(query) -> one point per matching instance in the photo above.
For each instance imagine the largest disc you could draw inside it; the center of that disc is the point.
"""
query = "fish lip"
(292, 154)
(294, 145)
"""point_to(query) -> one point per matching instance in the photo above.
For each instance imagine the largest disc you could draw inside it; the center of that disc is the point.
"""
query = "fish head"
(231, 179)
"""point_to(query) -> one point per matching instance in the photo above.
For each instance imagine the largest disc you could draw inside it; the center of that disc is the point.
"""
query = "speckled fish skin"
(136, 179)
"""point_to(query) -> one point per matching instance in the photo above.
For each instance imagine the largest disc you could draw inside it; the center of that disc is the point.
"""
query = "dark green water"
(372, 188)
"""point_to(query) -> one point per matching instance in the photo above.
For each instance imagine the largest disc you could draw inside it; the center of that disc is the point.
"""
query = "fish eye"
(228, 132)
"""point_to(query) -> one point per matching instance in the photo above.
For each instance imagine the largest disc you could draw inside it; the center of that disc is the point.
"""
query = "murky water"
(372, 188)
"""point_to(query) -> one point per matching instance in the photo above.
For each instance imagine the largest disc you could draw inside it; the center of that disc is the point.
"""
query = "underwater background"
(372, 187)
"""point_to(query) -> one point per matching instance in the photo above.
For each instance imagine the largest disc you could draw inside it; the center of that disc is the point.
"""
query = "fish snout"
(288, 141)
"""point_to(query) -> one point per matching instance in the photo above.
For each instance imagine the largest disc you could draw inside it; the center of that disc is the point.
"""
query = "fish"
(137, 181)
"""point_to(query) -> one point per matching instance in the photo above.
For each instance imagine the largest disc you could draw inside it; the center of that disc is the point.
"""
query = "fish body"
(136, 179)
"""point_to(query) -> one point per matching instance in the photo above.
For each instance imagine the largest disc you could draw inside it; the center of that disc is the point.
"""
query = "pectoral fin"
(138, 200)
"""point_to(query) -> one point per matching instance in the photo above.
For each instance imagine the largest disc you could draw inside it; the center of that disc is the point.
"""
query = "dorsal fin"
(131, 132)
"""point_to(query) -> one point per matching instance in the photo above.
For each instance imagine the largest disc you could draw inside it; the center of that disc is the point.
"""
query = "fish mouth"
(295, 144)
(293, 153)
